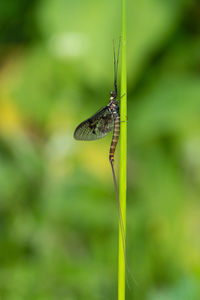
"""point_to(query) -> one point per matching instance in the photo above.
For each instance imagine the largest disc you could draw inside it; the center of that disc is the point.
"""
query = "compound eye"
(112, 93)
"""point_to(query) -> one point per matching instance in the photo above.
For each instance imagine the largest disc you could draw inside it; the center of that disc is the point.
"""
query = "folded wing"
(95, 127)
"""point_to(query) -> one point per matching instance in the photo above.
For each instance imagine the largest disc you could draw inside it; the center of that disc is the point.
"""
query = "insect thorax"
(114, 106)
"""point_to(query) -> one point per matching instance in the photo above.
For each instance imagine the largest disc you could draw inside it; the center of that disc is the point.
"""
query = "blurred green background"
(58, 213)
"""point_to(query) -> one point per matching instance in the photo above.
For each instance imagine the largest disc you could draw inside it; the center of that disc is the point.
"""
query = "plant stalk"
(123, 159)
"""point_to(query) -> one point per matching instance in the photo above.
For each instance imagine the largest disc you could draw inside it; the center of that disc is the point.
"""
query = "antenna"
(116, 63)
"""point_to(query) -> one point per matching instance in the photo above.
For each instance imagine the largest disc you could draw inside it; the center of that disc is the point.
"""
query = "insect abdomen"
(115, 137)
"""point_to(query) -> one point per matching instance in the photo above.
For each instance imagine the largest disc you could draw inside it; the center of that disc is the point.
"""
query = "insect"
(105, 120)
(99, 125)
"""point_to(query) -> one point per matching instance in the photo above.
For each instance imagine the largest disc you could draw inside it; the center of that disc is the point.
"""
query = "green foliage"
(17, 23)
(58, 216)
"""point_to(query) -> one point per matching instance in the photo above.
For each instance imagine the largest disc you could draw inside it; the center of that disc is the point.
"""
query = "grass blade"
(123, 158)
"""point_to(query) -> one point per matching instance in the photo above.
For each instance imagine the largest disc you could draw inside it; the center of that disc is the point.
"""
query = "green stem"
(123, 158)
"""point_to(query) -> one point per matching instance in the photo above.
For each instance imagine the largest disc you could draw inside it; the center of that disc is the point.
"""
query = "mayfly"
(99, 125)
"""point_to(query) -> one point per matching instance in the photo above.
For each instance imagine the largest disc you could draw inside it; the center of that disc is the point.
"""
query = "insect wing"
(95, 127)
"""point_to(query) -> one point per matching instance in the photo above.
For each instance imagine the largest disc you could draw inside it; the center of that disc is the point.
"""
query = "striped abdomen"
(115, 137)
